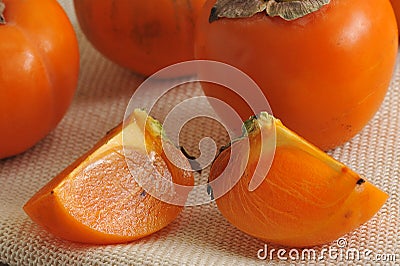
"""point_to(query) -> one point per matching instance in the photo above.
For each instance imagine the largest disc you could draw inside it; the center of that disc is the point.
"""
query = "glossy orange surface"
(324, 75)
(38, 72)
(144, 36)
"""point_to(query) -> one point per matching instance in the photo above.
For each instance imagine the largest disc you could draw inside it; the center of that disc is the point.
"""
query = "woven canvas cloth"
(200, 235)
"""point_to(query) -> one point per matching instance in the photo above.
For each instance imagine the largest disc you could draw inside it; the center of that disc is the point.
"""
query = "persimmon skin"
(38, 72)
(324, 75)
(144, 36)
(396, 9)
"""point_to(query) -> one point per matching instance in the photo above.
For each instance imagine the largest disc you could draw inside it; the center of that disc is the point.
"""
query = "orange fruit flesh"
(97, 200)
(307, 198)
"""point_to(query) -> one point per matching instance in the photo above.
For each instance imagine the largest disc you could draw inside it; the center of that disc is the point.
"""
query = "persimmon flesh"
(97, 200)
(307, 198)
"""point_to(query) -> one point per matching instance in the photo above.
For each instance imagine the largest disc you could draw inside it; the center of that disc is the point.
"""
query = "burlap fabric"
(200, 236)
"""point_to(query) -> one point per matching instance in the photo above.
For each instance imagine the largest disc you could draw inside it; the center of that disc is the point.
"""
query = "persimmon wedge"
(97, 199)
(306, 198)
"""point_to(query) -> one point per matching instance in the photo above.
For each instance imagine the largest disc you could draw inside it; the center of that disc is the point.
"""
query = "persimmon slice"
(307, 198)
(97, 199)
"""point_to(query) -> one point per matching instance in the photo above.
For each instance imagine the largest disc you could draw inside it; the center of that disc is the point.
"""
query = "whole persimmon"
(144, 36)
(324, 72)
(39, 68)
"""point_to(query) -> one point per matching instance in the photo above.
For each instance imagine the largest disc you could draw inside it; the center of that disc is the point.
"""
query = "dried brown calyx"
(286, 9)
(2, 7)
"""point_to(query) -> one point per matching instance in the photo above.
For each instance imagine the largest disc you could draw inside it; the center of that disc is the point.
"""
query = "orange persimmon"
(144, 36)
(97, 199)
(39, 65)
(396, 9)
(307, 198)
(324, 74)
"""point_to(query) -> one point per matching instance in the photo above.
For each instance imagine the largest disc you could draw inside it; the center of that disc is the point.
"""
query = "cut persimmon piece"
(98, 200)
(306, 198)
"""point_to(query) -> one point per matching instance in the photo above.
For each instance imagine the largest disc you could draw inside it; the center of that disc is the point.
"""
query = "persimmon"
(39, 68)
(324, 73)
(97, 199)
(307, 198)
(144, 36)
(396, 9)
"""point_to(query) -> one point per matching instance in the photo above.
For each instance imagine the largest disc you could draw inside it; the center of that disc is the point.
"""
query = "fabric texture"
(200, 235)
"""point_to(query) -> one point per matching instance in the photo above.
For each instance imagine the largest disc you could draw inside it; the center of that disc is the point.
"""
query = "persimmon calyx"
(252, 126)
(286, 9)
(2, 7)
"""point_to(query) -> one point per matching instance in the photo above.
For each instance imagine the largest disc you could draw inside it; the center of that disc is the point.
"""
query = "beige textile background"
(200, 236)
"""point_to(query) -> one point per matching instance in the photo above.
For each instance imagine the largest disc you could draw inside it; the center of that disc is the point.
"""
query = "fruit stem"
(2, 7)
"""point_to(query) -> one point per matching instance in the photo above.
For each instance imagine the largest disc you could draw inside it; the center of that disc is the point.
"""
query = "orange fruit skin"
(131, 215)
(38, 72)
(396, 9)
(301, 202)
(324, 75)
(144, 36)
